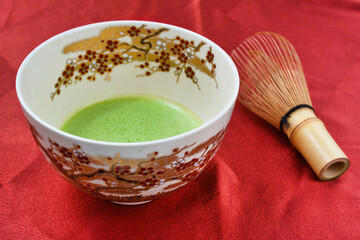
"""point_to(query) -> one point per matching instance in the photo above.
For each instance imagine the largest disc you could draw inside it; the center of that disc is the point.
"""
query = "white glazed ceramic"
(109, 59)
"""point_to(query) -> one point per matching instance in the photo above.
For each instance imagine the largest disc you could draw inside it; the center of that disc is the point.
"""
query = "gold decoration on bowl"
(115, 46)
(120, 179)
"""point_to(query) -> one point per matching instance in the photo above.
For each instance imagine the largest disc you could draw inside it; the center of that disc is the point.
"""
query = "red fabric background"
(257, 186)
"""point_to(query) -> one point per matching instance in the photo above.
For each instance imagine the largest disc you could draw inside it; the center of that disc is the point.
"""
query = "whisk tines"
(272, 85)
(272, 78)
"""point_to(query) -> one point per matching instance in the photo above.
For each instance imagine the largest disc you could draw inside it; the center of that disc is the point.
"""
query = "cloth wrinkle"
(6, 6)
(26, 169)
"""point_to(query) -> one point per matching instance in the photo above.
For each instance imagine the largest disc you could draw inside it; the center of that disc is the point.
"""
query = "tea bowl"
(108, 59)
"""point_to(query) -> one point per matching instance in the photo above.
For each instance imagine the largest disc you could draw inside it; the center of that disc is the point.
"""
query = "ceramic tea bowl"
(100, 61)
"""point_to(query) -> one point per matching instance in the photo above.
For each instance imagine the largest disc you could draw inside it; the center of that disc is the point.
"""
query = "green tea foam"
(131, 119)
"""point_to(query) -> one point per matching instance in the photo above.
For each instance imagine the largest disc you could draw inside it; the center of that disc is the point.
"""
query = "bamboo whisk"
(273, 86)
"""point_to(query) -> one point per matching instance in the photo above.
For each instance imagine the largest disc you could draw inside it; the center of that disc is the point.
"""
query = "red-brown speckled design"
(119, 179)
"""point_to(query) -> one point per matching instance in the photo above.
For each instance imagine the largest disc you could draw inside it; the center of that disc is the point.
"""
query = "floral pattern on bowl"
(120, 179)
(120, 45)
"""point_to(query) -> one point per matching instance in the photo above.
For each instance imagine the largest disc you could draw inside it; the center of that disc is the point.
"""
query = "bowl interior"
(101, 61)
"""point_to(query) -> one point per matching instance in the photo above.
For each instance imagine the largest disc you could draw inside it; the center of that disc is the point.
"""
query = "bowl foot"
(132, 203)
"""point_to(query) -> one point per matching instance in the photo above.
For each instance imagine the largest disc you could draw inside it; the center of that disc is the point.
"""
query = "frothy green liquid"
(131, 119)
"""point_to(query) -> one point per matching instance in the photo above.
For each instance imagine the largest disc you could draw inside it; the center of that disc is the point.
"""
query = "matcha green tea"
(131, 119)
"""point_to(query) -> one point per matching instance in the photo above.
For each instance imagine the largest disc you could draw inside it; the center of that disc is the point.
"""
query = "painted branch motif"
(121, 179)
(121, 45)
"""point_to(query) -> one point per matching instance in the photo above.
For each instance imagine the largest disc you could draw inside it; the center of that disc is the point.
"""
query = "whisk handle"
(309, 136)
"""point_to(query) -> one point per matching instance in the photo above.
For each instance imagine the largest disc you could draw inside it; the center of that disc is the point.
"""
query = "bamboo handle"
(308, 135)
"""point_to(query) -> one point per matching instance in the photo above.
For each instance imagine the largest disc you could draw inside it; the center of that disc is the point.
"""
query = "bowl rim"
(203, 126)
